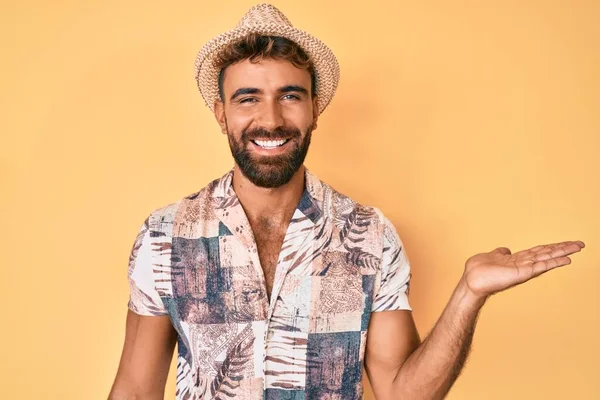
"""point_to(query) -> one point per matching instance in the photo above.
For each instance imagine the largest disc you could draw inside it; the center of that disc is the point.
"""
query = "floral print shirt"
(196, 261)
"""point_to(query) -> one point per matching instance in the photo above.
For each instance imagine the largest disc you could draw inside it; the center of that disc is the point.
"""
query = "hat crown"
(266, 20)
(263, 14)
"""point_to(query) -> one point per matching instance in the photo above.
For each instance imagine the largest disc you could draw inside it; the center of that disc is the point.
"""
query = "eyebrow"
(293, 88)
(283, 89)
(243, 91)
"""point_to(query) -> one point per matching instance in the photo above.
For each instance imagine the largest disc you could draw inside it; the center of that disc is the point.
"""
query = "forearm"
(125, 389)
(132, 395)
(430, 371)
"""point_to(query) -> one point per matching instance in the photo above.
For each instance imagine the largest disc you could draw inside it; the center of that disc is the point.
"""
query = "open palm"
(489, 273)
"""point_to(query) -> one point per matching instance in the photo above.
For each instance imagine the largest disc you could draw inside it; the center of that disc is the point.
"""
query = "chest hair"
(269, 239)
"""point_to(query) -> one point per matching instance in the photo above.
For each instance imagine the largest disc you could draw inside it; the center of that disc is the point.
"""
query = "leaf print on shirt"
(355, 227)
(232, 370)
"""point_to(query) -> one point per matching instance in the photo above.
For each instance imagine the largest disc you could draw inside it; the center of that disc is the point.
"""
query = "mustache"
(262, 133)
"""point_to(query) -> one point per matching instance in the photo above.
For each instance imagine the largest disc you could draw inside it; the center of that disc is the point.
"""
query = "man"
(268, 279)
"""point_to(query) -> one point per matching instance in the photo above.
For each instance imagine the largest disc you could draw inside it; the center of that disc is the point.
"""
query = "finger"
(532, 255)
(558, 251)
(540, 247)
(566, 243)
(535, 250)
(543, 266)
(550, 248)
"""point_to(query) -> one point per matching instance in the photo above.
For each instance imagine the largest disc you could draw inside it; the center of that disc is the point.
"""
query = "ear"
(220, 116)
(315, 111)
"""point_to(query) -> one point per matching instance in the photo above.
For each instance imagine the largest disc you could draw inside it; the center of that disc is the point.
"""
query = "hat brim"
(327, 70)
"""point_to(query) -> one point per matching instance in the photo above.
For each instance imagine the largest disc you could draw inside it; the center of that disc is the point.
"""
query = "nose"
(270, 115)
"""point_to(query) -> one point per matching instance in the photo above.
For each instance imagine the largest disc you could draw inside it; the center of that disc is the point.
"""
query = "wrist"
(467, 297)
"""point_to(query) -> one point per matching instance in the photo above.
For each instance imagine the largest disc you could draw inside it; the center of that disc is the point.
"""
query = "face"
(268, 114)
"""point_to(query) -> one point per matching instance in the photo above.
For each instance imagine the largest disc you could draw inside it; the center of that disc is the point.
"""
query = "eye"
(291, 97)
(248, 100)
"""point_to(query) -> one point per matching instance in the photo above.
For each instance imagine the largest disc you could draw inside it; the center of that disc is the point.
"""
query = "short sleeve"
(392, 293)
(143, 297)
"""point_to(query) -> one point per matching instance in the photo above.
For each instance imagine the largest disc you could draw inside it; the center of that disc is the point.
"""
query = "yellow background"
(471, 124)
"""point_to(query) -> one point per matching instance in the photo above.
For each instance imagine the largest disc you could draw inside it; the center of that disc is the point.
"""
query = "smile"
(270, 144)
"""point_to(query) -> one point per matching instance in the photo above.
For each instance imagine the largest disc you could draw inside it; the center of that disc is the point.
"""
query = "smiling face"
(268, 114)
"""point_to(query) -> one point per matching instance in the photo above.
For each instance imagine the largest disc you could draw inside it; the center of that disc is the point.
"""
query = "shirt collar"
(311, 202)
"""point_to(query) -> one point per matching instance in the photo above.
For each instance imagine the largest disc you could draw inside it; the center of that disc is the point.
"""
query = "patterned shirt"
(196, 261)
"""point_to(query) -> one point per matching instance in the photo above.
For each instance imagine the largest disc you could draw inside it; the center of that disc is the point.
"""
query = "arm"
(149, 334)
(405, 369)
(146, 357)
(398, 370)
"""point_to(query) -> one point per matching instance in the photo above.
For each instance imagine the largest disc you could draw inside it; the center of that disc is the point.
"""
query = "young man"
(268, 279)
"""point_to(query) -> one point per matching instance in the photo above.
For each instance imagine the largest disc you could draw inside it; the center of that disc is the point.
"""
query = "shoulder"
(341, 207)
(363, 231)
(190, 206)
(346, 212)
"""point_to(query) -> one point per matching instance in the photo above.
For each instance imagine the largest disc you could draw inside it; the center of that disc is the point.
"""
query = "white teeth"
(270, 143)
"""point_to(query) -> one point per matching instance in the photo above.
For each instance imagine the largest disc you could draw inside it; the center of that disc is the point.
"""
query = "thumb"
(503, 250)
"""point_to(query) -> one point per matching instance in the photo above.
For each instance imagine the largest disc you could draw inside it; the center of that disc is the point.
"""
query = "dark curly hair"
(256, 47)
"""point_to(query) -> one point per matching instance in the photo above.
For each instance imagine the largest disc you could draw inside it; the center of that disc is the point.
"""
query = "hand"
(489, 273)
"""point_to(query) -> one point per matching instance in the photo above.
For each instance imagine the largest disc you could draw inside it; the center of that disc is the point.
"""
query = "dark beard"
(270, 171)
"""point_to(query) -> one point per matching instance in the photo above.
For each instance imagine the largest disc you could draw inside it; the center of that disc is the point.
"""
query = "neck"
(276, 203)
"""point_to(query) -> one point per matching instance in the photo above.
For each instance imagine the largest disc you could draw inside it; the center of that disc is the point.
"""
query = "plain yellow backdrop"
(471, 124)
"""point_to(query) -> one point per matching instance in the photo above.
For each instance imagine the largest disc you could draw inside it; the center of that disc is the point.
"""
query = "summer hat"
(266, 19)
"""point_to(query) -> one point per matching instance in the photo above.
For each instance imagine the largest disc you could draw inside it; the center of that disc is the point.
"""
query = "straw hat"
(266, 19)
